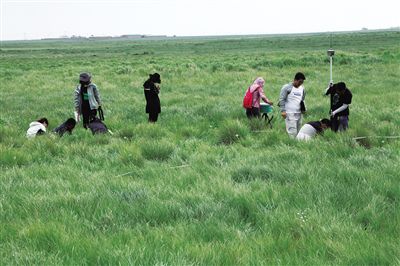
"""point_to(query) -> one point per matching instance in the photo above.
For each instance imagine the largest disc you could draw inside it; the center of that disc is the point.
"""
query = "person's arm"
(329, 89)
(96, 94)
(341, 108)
(263, 97)
(303, 99)
(76, 99)
(283, 97)
(282, 100)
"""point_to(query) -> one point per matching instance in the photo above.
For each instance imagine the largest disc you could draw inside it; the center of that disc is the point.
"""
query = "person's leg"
(249, 113)
(256, 112)
(85, 118)
(298, 122)
(334, 124)
(343, 123)
(93, 114)
(303, 136)
(291, 125)
(153, 117)
(253, 112)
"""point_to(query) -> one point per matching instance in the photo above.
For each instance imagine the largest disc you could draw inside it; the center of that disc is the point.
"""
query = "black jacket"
(151, 94)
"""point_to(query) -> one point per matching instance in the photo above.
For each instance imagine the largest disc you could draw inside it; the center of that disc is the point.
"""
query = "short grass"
(203, 186)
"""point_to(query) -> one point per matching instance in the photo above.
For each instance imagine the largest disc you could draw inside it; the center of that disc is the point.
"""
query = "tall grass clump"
(232, 131)
(251, 172)
(131, 154)
(159, 150)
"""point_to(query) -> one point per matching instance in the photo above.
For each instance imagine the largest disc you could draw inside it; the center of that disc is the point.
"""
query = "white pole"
(331, 81)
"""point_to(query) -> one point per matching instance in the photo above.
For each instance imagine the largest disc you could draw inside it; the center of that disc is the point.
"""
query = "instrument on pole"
(331, 53)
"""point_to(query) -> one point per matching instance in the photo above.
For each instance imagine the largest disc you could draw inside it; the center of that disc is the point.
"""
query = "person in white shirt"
(291, 102)
(37, 127)
(311, 129)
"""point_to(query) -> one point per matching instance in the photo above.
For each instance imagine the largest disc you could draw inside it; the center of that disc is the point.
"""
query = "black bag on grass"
(97, 126)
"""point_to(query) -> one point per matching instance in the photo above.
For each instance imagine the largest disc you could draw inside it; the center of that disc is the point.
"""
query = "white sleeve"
(341, 108)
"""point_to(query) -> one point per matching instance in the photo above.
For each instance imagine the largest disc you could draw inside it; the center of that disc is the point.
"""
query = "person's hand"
(283, 115)
(77, 116)
(270, 103)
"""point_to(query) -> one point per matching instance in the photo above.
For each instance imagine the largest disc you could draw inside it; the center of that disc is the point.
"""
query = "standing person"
(291, 102)
(311, 129)
(340, 100)
(151, 91)
(257, 93)
(87, 99)
(37, 127)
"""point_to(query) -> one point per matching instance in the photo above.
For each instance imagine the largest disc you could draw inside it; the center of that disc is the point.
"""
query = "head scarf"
(259, 82)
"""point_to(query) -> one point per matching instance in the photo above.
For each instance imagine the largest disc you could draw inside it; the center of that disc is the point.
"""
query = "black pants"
(153, 117)
(340, 123)
(88, 116)
(253, 112)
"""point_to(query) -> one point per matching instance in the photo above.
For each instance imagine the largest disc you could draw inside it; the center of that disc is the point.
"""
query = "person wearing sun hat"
(86, 99)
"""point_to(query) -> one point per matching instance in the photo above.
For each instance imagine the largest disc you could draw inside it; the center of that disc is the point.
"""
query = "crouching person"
(37, 127)
(311, 129)
(65, 127)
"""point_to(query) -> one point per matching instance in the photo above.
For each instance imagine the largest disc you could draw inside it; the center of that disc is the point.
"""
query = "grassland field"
(203, 186)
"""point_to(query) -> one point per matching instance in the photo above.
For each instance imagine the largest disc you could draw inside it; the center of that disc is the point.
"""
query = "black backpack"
(97, 126)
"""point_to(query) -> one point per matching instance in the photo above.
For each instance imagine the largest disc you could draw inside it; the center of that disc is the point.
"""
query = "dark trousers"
(153, 117)
(253, 112)
(340, 123)
(88, 116)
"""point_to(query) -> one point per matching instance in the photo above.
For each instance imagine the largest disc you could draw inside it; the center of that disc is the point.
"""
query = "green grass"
(204, 185)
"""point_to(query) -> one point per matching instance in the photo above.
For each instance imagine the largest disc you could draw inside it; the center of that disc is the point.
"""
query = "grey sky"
(30, 19)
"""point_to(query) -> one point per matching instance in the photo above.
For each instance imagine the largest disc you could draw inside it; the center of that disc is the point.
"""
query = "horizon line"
(71, 37)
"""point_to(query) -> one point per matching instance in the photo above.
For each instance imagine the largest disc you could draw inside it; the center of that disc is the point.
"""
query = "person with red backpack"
(251, 101)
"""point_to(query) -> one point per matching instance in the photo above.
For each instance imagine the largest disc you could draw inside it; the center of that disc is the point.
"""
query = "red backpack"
(248, 99)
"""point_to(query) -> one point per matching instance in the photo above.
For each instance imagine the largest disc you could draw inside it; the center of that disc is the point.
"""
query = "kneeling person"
(311, 129)
(37, 127)
(65, 127)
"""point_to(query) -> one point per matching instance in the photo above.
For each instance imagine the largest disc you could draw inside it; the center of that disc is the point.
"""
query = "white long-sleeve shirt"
(33, 129)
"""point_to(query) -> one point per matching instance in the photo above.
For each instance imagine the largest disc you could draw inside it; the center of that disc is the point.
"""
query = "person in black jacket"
(151, 91)
(340, 101)
(65, 127)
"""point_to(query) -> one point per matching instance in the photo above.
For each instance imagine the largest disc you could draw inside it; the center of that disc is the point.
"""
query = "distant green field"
(203, 186)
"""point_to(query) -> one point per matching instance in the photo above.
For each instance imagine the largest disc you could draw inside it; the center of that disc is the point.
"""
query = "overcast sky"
(33, 19)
